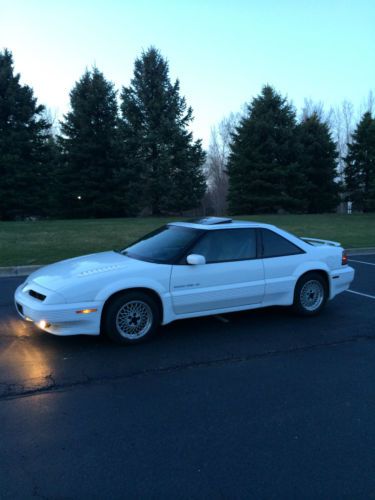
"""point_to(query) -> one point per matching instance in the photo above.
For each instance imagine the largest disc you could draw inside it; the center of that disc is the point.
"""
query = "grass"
(42, 242)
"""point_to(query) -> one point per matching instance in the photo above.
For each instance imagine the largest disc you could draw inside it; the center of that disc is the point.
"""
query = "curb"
(14, 271)
(360, 251)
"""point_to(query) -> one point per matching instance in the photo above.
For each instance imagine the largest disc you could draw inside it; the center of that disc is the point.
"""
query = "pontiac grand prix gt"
(184, 270)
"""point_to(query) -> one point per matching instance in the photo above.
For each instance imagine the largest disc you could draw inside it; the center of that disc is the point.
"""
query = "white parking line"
(361, 262)
(363, 294)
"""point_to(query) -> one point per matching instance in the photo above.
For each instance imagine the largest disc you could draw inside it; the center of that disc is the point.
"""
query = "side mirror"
(195, 259)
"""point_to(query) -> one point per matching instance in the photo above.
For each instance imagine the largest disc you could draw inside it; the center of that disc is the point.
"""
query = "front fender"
(127, 284)
(150, 284)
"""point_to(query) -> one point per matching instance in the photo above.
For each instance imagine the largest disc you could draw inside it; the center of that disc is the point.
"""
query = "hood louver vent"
(37, 295)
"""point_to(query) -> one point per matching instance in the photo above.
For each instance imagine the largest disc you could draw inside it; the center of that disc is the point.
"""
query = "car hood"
(56, 276)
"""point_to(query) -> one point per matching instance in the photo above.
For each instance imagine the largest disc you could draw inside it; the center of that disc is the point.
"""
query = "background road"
(260, 404)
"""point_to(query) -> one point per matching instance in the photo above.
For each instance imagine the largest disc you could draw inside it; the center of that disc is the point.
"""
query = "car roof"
(210, 223)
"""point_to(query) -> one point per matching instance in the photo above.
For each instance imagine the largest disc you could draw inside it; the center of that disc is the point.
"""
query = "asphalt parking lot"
(261, 404)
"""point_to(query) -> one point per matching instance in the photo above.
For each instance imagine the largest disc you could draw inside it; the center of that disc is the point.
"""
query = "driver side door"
(233, 275)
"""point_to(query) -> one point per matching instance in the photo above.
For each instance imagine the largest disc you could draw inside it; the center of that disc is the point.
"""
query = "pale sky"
(222, 51)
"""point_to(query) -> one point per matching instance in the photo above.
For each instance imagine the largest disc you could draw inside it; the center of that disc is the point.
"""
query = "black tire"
(310, 294)
(131, 318)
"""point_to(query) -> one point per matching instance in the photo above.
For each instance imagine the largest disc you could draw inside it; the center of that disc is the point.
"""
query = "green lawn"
(42, 242)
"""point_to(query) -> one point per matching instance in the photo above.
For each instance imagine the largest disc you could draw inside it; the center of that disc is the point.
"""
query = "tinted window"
(164, 245)
(225, 245)
(275, 245)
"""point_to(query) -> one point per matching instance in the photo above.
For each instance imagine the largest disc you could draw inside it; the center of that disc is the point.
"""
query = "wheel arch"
(322, 272)
(149, 291)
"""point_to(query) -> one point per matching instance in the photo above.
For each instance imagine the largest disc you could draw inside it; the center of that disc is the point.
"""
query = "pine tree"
(360, 165)
(264, 175)
(24, 147)
(164, 171)
(317, 158)
(90, 150)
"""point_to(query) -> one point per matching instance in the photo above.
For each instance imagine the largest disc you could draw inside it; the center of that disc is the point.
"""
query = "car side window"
(275, 245)
(227, 245)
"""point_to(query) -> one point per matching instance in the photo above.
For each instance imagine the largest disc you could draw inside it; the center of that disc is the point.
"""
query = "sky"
(221, 51)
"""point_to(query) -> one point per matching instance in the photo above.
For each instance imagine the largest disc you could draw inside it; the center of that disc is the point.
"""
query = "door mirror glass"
(195, 259)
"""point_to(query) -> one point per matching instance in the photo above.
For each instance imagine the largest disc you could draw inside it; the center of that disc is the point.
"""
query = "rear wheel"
(132, 317)
(310, 295)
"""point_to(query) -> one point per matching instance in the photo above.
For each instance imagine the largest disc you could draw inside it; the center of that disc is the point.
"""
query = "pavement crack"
(49, 378)
(13, 391)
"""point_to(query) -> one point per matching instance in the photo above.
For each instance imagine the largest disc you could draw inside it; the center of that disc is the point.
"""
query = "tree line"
(133, 153)
(265, 159)
(286, 166)
(112, 157)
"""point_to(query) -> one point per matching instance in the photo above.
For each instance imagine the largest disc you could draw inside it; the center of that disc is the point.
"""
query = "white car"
(183, 270)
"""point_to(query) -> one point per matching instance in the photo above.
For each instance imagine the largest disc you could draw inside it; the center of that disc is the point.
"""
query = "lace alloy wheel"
(134, 319)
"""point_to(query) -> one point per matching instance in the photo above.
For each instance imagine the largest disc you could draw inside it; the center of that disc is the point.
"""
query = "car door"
(232, 276)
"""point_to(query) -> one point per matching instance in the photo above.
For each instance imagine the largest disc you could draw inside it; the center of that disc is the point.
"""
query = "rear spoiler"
(317, 242)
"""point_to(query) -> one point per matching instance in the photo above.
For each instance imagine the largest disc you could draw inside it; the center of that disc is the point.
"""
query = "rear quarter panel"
(282, 273)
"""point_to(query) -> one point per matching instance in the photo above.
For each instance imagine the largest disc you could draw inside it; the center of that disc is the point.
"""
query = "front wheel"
(310, 295)
(131, 318)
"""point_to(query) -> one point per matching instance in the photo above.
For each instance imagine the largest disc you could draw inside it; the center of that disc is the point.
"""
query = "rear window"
(275, 245)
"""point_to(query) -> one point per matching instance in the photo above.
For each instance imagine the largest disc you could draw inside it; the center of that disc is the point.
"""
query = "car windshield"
(164, 246)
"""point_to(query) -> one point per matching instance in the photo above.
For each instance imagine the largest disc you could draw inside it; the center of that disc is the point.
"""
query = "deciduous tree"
(216, 163)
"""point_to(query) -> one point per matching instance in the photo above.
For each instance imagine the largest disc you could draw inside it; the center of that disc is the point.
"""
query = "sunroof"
(210, 221)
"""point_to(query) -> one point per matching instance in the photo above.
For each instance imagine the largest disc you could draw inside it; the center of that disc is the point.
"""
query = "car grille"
(19, 308)
(37, 295)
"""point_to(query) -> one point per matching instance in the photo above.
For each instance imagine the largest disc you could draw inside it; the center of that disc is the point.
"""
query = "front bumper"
(340, 280)
(61, 319)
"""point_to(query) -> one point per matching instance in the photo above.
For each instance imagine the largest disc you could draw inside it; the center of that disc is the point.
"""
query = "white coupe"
(184, 270)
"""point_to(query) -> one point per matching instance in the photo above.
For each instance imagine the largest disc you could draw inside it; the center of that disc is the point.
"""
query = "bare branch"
(217, 160)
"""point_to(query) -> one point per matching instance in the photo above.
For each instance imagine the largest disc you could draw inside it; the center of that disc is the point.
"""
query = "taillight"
(344, 259)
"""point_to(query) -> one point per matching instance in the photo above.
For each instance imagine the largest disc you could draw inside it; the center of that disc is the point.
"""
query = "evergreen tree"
(24, 147)
(317, 157)
(264, 175)
(360, 165)
(90, 151)
(164, 170)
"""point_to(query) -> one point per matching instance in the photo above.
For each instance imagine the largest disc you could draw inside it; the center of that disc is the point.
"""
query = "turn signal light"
(344, 259)
(86, 311)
